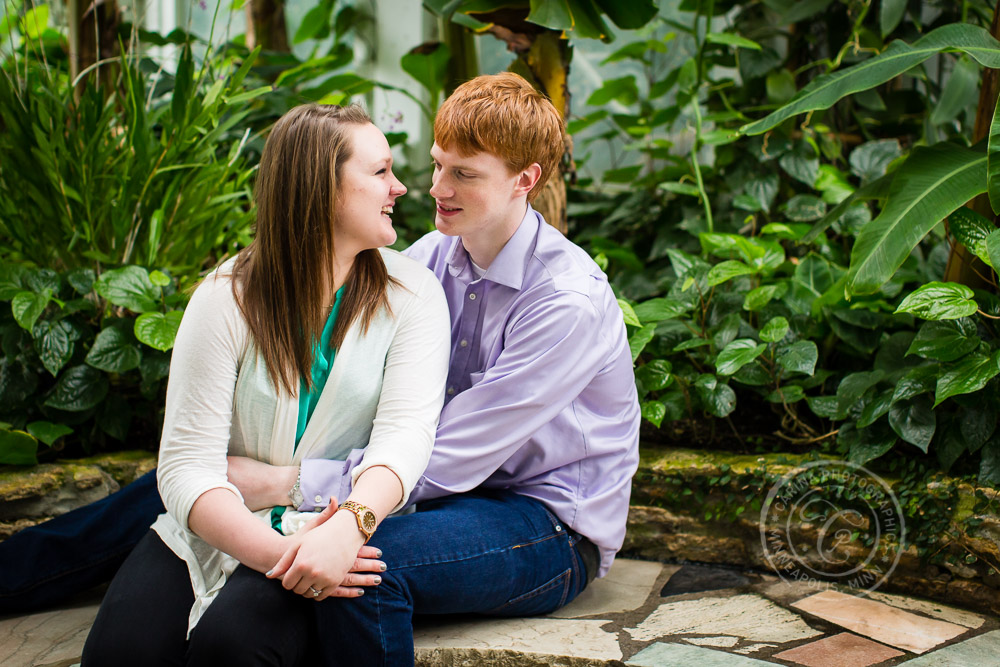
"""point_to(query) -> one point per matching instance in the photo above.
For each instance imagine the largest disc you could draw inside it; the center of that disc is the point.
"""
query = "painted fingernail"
(382, 567)
(361, 592)
(378, 580)
(269, 573)
(378, 553)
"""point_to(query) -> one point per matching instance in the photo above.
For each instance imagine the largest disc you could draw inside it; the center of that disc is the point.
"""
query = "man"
(526, 496)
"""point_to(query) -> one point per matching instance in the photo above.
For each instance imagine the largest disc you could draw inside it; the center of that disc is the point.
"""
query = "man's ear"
(527, 179)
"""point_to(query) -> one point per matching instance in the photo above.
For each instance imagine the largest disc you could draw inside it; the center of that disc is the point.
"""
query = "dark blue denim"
(48, 563)
(499, 554)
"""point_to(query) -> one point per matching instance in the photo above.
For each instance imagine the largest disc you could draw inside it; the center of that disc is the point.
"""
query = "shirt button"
(558, 529)
(451, 391)
(464, 343)
(318, 499)
(472, 297)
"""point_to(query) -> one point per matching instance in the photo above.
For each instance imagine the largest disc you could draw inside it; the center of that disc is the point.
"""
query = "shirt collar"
(510, 264)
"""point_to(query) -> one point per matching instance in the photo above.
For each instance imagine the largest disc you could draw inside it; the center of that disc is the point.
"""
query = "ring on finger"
(315, 592)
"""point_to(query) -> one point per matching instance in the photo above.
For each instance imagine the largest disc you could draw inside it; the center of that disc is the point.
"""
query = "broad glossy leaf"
(638, 340)
(799, 357)
(81, 280)
(824, 406)
(28, 307)
(428, 64)
(659, 309)
(931, 184)
(877, 189)
(971, 230)
(890, 13)
(945, 340)
(628, 15)
(759, 297)
(763, 188)
(158, 330)
(655, 375)
(34, 22)
(789, 393)
(737, 354)
(866, 444)
(48, 432)
(801, 163)
(916, 381)
(727, 270)
(726, 330)
(78, 388)
(623, 89)
(971, 374)
(114, 350)
(17, 447)
(39, 280)
(870, 160)
(753, 374)
(853, 386)
(939, 301)
(154, 366)
(719, 399)
(774, 330)
(814, 273)
(130, 288)
(628, 314)
(914, 421)
(804, 208)
(948, 444)
(875, 409)
(654, 412)
(825, 90)
(691, 344)
(54, 344)
(993, 247)
(316, 20)
(958, 92)
(993, 164)
(780, 86)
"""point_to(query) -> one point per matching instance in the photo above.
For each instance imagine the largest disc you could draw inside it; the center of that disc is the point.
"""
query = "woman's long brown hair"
(282, 281)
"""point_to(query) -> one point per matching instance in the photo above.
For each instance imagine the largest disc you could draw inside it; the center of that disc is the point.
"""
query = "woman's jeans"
(487, 553)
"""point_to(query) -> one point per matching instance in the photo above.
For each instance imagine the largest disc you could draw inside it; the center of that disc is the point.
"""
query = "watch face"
(368, 520)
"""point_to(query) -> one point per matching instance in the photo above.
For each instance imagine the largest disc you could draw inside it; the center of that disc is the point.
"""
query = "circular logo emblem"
(832, 522)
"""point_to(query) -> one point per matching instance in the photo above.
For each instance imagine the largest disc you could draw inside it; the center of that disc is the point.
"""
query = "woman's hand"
(328, 555)
(262, 485)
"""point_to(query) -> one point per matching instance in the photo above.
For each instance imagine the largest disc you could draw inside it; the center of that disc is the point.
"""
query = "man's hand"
(329, 558)
(262, 485)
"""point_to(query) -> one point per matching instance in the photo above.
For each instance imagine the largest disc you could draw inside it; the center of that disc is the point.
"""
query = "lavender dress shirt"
(541, 396)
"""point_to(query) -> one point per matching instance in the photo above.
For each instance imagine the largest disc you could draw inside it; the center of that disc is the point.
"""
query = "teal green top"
(323, 355)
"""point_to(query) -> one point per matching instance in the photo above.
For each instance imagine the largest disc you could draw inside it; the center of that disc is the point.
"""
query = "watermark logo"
(832, 522)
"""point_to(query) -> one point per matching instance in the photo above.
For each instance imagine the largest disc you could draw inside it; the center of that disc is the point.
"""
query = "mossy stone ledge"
(690, 505)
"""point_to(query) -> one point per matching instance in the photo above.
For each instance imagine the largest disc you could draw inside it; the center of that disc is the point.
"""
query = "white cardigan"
(384, 393)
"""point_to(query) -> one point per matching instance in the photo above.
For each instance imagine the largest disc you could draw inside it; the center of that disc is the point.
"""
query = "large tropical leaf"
(824, 91)
(993, 162)
(933, 182)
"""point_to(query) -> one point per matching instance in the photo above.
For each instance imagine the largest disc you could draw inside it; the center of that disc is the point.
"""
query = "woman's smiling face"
(366, 193)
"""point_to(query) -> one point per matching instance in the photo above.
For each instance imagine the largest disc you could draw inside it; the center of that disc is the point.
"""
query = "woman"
(310, 343)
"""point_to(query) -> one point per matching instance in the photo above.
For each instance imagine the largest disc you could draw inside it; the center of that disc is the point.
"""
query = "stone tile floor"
(647, 615)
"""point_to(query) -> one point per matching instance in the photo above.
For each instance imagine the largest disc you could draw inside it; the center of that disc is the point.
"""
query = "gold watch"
(366, 518)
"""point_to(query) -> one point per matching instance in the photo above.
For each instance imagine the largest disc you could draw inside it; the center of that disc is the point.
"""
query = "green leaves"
(129, 287)
(931, 184)
(971, 230)
(114, 350)
(28, 307)
(945, 340)
(939, 301)
(17, 448)
(824, 91)
(737, 354)
(993, 162)
(970, 375)
(80, 388)
(158, 330)
(428, 64)
(719, 399)
(799, 357)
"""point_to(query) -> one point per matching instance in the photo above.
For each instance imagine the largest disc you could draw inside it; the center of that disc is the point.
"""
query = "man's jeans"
(487, 553)
(48, 563)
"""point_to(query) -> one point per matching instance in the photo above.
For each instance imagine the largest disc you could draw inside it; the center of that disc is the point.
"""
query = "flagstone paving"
(641, 616)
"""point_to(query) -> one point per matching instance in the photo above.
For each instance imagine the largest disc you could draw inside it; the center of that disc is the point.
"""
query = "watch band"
(367, 521)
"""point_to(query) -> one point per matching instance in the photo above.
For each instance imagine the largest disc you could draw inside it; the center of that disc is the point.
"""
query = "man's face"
(473, 193)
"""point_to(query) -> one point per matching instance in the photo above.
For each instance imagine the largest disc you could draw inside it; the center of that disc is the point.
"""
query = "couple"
(525, 496)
